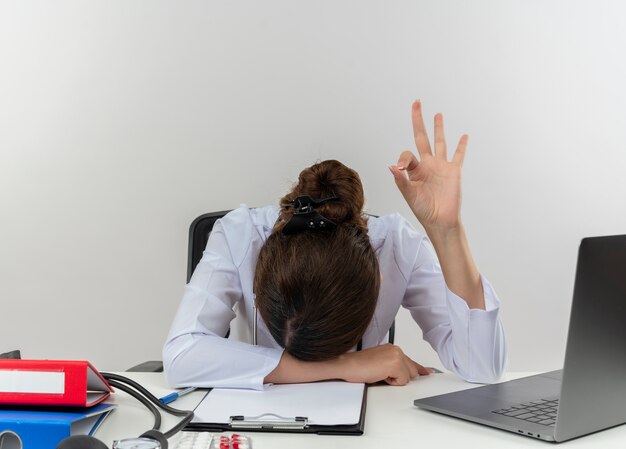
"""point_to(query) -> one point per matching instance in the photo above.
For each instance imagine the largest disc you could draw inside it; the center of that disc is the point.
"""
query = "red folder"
(66, 383)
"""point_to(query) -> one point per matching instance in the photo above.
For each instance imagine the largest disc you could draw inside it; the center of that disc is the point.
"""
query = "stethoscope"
(151, 439)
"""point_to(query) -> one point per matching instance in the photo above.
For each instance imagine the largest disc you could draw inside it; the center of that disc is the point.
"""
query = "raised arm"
(432, 188)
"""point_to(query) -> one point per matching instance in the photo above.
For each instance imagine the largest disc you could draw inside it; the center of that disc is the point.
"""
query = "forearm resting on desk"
(382, 363)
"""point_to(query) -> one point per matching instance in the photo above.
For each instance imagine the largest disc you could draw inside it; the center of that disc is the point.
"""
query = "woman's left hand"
(432, 185)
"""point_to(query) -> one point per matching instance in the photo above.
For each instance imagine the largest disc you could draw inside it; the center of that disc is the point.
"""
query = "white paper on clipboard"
(322, 403)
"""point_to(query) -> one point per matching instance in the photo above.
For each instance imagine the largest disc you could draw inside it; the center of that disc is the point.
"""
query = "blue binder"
(29, 428)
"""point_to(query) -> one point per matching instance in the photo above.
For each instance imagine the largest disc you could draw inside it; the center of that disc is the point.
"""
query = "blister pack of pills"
(233, 441)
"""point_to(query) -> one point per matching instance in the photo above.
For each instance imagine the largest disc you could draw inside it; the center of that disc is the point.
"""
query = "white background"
(121, 121)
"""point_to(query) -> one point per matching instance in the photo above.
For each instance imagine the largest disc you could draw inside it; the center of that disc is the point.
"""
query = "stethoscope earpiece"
(81, 442)
(10, 440)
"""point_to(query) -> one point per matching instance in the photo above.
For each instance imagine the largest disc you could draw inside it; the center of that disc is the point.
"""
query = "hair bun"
(327, 179)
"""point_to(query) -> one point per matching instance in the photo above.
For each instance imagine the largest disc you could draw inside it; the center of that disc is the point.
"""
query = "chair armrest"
(151, 366)
(11, 355)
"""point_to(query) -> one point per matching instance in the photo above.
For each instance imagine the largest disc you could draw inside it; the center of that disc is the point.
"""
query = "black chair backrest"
(199, 232)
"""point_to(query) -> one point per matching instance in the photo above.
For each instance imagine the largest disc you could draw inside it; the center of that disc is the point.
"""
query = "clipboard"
(324, 408)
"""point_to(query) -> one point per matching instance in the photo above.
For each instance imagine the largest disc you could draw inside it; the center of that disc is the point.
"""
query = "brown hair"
(317, 289)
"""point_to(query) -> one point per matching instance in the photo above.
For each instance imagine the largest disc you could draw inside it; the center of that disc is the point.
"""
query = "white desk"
(391, 422)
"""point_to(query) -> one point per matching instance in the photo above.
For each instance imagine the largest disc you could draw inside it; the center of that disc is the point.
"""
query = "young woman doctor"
(316, 280)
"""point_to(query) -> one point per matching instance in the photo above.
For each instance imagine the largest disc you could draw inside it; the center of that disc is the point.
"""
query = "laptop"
(589, 393)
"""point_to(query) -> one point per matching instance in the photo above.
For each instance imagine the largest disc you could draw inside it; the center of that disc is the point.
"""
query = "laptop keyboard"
(542, 411)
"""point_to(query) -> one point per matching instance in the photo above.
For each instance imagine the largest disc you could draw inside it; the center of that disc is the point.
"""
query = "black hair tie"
(305, 218)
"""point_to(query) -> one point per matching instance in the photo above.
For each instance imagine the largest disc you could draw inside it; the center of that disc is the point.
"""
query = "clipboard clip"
(268, 421)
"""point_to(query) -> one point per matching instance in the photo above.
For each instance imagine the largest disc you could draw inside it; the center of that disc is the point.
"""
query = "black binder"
(270, 422)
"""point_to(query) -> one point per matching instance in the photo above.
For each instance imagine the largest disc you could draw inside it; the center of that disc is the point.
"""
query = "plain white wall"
(122, 121)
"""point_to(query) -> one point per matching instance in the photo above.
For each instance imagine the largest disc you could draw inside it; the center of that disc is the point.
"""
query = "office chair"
(199, 232)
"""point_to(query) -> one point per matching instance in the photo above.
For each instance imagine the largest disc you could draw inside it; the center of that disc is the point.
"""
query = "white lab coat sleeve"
(469, 342)
(195, 352)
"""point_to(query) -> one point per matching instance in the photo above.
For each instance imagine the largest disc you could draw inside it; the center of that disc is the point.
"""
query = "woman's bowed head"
(317, 290)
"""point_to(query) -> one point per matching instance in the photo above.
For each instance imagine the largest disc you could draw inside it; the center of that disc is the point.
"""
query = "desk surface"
(391, 421)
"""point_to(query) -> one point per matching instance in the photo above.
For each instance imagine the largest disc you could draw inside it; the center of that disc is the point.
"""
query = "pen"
(173, 396)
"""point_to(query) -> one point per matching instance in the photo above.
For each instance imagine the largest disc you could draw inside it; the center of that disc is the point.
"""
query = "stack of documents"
(44, 401)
